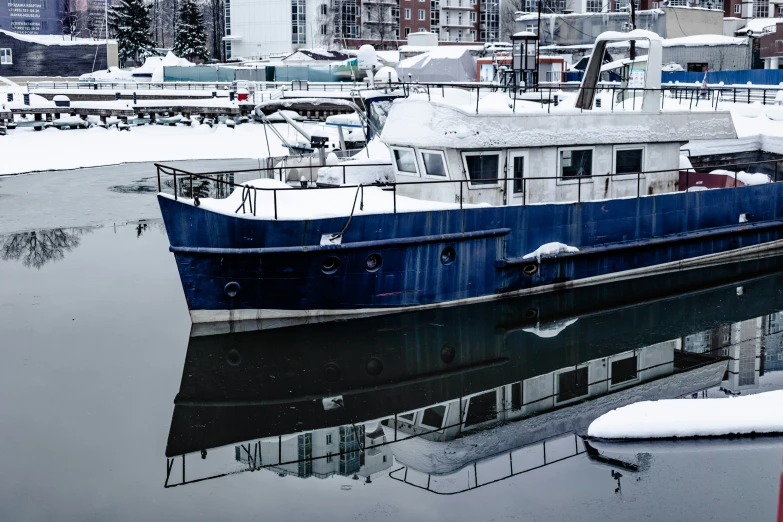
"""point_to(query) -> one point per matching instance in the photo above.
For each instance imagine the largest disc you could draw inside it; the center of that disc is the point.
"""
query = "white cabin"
(593, 145)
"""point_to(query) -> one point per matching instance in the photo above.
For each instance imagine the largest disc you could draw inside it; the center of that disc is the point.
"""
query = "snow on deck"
(760, 413)
(296, 204)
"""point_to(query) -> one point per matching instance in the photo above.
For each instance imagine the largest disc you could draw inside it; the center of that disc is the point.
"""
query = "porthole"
(332, 372)
(530, 269)
(448, 353)
(373, 262)
(374, 366)
(330, 265)
(448, 256)
(231, 289)
(233, 357)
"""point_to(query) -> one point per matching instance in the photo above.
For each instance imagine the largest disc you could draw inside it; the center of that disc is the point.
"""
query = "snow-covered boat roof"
(421, 123)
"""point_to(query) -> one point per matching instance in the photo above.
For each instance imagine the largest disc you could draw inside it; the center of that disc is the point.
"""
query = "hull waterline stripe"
(768, 249)
(461, 236)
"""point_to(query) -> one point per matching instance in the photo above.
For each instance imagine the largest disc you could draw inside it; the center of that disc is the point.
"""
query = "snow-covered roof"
(757, 25)
(320, 55)
(528, 17)
(610, 66)
(525, 33)
(53, 39)
(704, 39)
(443, 124)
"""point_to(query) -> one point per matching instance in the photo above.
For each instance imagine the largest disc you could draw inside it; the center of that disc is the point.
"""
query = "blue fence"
(754, 76)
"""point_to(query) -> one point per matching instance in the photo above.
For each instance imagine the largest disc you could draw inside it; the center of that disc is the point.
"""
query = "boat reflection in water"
(457, 398)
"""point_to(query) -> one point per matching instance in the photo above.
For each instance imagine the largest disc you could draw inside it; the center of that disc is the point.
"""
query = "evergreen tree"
(190, 39)
(130, 21)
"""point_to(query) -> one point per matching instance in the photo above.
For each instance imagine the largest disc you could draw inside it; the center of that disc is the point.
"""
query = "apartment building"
(278, 27)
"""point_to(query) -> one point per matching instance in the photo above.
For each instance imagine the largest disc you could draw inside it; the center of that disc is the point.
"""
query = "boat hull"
(235, 268)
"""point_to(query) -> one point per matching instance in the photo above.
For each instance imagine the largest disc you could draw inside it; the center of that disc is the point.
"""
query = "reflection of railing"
(251, 452)
(441, 484)
(250, 193)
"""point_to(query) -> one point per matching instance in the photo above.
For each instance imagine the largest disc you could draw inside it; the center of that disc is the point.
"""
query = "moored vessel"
(488, 199)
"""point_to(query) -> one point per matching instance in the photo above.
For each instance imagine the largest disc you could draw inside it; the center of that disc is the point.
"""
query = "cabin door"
(516, 169)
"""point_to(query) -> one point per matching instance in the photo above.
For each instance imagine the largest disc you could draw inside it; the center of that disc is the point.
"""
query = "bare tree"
(215, 20)
(35, 249)
(378, 22)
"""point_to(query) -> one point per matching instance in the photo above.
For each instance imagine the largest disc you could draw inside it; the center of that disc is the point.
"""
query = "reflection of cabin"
(341, 448)
(542, 393)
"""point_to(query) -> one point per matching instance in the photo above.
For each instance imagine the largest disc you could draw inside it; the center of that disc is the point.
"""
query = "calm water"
(105, 391)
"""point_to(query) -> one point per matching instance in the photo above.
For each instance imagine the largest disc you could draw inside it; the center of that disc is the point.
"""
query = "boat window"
(482, 408)
(623, 370)
(433, 417)
(518, 173)
(576, 163)
(628, 161)
(483, 168)
(572, 384)
(434, 163)
(406, 160)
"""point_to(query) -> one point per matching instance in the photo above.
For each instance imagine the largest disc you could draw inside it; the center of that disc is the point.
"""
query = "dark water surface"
(104, 388)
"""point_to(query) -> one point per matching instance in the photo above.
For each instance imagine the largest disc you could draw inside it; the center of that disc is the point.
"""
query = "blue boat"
(489, 200)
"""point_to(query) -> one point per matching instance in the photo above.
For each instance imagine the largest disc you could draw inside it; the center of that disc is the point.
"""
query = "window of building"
(384, 458)
(623, 370)
(298, 22)
(595, 6)
(323, 29)
(434, 163)
(329, 439)
(697, 66)
(571, 384)
(531, 28)
(628, 161)
(737, 8)
(483, 167)
(408, 416)
(459, 19)
(422, 30)
(407, 15)
(324, 9)
(655, 5)
(473, 16)
(328, 457)
(407, 31)
(5, 57)
(576, 163)
(422, 14)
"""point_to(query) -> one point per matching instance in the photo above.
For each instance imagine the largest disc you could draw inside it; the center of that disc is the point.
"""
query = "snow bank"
(549, 249)
(294, 204)
(745, 177)
(53, 39)
(760, 413)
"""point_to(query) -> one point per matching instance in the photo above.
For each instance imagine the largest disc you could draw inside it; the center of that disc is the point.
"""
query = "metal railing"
(250, 193)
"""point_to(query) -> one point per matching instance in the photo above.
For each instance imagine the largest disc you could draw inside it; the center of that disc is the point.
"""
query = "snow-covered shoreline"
(758, 414)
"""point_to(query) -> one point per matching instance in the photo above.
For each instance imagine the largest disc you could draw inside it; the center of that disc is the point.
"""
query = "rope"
(245, 198)
(353, 208)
